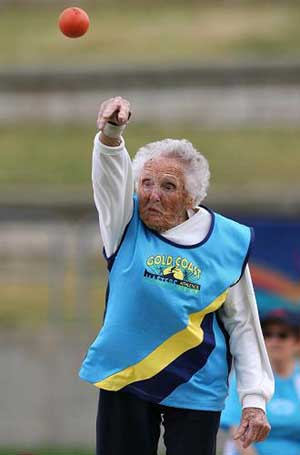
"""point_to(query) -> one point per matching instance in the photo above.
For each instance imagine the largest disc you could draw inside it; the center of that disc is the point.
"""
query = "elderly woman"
(179, 302)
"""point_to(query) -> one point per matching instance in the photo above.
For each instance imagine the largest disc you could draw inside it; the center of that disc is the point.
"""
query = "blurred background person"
(281, 333)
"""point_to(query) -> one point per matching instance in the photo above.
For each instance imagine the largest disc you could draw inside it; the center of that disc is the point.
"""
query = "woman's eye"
(147, 183)
(169, 186)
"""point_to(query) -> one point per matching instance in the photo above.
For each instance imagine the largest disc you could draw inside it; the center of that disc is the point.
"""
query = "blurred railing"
(244, 73)
(246, 93)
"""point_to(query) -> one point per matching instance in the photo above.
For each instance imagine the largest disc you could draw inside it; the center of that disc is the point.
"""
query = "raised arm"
(112, 173)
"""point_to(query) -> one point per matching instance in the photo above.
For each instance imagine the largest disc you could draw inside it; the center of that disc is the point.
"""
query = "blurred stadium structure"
(218, 95)
(52, 277)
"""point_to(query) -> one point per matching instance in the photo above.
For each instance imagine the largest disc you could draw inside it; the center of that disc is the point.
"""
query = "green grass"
(45, 155)
(147, 32)
(7, 451)
(28, 300)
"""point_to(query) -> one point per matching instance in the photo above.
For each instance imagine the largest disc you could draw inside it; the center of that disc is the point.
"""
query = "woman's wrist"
(109, 141)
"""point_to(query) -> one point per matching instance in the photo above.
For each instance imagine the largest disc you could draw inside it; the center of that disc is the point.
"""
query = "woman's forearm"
(113, 189)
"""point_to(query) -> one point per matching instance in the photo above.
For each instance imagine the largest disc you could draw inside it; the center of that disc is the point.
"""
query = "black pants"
(127, 425)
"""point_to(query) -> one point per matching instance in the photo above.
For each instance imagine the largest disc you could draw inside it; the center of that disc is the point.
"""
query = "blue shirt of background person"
(281, 333)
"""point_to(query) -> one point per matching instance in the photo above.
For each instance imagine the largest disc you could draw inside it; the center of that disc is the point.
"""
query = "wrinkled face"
(163, 200)
(281, 342)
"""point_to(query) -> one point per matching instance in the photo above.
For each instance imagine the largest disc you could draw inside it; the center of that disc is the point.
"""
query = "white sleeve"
(255, 382)
(113, 190)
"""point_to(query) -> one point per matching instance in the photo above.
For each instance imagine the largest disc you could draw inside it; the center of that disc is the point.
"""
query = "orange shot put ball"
(74, 22)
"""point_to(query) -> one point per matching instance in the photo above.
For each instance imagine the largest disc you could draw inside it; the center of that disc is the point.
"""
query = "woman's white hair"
(195, 164)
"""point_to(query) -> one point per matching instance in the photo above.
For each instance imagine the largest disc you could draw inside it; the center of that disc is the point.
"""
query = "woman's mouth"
(154, 211)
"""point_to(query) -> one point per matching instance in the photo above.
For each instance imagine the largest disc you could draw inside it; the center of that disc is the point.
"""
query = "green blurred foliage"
(42, 154)
(150, 32)
(28, 301)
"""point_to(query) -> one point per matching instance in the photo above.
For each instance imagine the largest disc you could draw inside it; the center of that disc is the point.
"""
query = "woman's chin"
(153, 222)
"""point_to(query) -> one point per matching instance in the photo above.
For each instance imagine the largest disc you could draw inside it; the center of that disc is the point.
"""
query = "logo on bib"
(168, 271)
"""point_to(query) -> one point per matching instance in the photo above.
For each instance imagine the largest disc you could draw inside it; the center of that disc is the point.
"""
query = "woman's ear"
(189, 201)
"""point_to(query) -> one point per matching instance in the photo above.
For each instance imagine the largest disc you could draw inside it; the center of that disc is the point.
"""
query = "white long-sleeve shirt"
(113, 190)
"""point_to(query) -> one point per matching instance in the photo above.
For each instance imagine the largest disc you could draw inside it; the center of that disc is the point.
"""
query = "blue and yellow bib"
(162, 338)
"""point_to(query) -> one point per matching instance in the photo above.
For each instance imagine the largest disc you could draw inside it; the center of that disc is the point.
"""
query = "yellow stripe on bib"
(164, 354)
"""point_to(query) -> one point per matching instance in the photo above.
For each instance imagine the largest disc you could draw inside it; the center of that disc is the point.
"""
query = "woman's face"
(163, 200)
(281, 342)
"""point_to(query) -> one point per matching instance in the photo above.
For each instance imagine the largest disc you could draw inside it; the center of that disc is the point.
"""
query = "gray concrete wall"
(42, 401)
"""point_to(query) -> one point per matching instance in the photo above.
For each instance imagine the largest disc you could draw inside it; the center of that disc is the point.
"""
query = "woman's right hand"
(115, 110)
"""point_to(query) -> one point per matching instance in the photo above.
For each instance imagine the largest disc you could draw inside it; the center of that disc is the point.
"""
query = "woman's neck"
(283, 368)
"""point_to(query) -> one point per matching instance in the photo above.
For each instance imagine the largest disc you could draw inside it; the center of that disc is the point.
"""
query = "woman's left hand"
(254, 426)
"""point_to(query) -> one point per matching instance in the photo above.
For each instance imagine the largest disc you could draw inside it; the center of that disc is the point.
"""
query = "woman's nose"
(155, 194)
